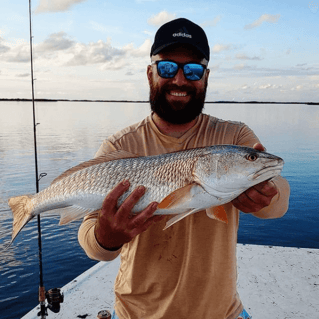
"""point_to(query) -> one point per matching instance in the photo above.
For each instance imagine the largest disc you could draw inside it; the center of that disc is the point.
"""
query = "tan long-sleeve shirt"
(189, 270)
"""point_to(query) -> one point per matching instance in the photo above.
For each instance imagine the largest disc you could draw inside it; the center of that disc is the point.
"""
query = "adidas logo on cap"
(182, 33)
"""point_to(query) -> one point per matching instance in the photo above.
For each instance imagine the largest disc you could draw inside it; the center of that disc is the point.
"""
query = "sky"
(100, 49)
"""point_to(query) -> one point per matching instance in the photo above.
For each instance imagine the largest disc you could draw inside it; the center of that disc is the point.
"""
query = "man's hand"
(257, 197)
(116, 226)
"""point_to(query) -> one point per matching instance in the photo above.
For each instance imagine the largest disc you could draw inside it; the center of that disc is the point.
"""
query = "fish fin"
(71, 213)
(120, 154)
(21, 207)
(179, 217)
(218, 213)
(175, 198)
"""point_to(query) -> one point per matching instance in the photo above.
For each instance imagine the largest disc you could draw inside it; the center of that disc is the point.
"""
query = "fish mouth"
(269, 171)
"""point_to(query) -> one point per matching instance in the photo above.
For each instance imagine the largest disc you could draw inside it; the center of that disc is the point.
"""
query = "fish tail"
(22, 208)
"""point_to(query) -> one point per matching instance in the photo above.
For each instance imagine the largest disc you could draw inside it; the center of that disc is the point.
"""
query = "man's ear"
(149, 73)
(207, 74)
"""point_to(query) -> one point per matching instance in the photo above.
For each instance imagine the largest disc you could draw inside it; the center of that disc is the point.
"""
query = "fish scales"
(160, 176)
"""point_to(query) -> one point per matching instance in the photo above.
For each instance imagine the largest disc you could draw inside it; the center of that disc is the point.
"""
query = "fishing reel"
(54, 298)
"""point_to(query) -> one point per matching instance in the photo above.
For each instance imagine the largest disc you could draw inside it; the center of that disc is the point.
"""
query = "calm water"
(70, 133)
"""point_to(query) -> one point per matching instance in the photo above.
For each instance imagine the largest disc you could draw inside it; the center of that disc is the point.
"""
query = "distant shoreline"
(128, 101)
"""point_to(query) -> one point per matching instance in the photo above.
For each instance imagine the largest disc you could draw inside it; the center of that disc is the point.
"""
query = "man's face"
(177, 100)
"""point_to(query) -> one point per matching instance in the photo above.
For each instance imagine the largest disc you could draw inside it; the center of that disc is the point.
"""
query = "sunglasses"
(168, 69)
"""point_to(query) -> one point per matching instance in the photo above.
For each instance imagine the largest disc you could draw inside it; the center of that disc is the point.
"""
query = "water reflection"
(8, 259)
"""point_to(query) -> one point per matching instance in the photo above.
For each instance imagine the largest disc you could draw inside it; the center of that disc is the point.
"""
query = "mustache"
(172, 87)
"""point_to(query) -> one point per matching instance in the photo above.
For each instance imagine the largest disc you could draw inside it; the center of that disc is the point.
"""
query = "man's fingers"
(115, 226)
(256, 197)
(111, 199)
(266, 188)
(124, 211)
(149, 222)
(140, 219)
(236, 202)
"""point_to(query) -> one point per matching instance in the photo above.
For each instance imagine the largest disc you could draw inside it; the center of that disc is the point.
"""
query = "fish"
(182, 183)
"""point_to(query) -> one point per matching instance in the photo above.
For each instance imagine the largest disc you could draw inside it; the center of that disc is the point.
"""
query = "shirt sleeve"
(279, 203)
(86, 236)
(89, 243)
(106, 147)
(246, 137)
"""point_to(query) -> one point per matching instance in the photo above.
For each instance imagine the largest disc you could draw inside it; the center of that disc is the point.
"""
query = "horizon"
(91, 50)
(147, 101)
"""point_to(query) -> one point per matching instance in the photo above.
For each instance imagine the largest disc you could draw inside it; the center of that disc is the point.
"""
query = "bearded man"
(189, 270)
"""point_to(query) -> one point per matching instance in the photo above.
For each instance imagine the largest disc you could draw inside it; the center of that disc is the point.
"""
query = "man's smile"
(176, 93)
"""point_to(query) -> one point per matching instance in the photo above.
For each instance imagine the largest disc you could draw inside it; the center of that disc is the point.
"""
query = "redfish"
(182, 183)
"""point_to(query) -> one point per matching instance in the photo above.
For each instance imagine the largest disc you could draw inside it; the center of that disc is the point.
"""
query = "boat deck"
(273, 282)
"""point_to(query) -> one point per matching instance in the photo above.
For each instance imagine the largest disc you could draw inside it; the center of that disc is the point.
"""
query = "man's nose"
(179, 78)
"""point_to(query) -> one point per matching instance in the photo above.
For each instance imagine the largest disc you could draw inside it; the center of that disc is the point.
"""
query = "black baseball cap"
(180, 31)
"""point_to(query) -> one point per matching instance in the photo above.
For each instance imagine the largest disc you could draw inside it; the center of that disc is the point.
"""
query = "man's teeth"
(178, 93)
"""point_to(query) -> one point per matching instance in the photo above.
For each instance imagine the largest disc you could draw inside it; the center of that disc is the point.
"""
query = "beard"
(177, 112)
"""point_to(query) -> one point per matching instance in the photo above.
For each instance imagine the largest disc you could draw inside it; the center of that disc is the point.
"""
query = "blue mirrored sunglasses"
(168, 69)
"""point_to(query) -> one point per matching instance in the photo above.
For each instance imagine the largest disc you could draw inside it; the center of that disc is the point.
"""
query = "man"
(188, 270)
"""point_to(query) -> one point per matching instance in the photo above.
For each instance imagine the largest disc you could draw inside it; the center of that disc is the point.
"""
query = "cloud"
(215, 67)
(55, 42)
(3, 48)
(23, 75)
(116, 63)
(56, 5)
(254, 71)
(268, 86)
(58, 49)
(240, 66)
(143, 51)
(242, 56)
(106, 55)
(313, 7)
(46, 50)
(221, 47)
(297, 88)
(148, 33)
(19, 52)
(212, 23)
(161, 18)
(93, 53)
(271, 18)
(265, 86)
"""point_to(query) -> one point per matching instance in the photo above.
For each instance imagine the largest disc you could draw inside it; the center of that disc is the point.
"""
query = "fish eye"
(251, 157)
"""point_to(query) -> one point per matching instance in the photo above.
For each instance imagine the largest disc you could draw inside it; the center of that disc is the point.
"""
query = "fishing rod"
(53, 296)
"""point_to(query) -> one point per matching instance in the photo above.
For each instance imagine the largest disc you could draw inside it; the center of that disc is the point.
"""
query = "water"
(71, 132)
